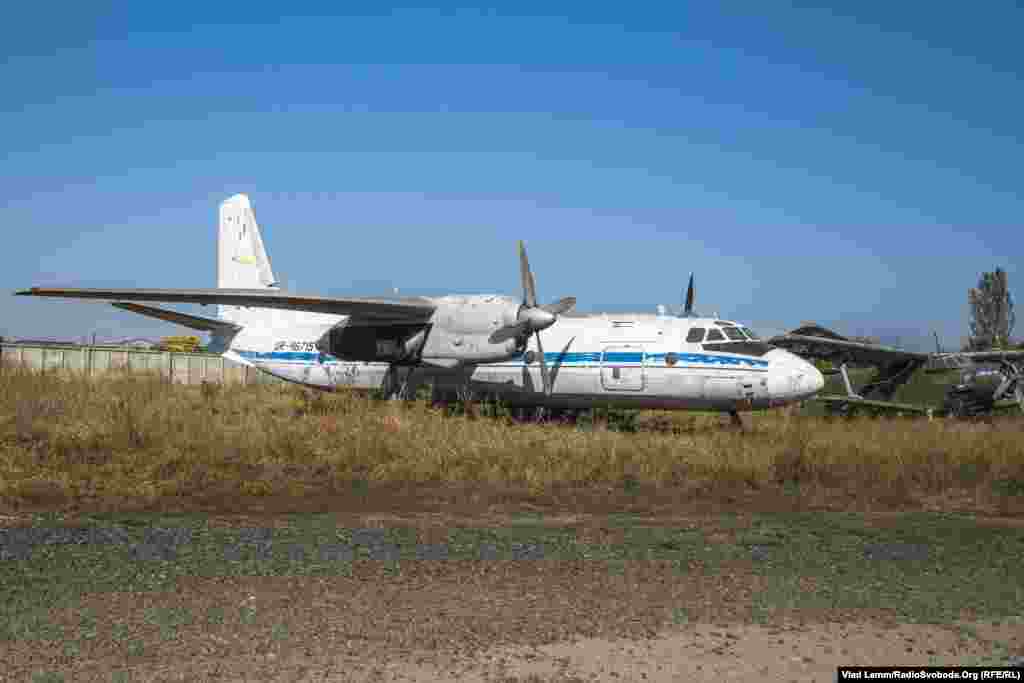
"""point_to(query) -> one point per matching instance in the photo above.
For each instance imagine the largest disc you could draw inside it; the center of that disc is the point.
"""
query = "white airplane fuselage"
(624, 360)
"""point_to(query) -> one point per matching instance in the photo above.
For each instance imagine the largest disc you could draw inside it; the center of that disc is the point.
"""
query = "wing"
(410, 309)
(813, 341)
(991, 356)
(959, 360)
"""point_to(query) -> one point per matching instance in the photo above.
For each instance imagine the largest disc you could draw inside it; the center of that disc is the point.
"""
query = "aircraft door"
(622, 368)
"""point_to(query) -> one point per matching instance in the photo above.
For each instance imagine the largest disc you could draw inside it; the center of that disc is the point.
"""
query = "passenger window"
(734, 334)
(695, 335)
(715, 335)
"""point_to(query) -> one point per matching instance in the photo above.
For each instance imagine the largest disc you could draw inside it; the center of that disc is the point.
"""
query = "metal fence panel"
(32, 357)
(138, 360)
(179, 368)
(159, 362)
(100, 361)
(119, 360)
(187, 368)
(10, 355)
(74, 360)
(53, 359)
(214, 370)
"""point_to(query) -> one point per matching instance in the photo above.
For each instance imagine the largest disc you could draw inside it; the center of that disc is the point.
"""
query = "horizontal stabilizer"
(193, 321)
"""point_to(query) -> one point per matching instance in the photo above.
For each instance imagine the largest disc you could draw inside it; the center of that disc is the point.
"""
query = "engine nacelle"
(479, 314)
(459, 331)
(468, 348)
(462, 327)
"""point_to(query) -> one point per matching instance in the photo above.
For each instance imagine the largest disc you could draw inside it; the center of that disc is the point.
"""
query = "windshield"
(734, 334)
(750, 333)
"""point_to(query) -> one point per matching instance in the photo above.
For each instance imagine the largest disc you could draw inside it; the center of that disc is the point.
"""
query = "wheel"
(837, 409)
(961, 406)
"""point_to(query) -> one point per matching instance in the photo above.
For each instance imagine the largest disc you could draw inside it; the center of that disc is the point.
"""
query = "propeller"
(688, 306)
(531, 318)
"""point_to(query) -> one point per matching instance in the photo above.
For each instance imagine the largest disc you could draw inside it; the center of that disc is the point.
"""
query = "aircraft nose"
(814, 379)
(807, 379)
(797, 379)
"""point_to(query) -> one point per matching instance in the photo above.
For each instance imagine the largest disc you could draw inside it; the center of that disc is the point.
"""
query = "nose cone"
(792, 378)
(813, 379)
(538, 318)
(807, 380)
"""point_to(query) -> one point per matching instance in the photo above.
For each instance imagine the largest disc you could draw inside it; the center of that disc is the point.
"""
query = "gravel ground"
(495, 620)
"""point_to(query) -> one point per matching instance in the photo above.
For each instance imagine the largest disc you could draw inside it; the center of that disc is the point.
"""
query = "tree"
(992, 316)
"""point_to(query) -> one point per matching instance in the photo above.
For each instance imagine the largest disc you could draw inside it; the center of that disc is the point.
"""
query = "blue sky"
(858, 166)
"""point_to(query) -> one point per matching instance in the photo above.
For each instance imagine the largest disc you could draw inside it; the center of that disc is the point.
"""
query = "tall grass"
(70, 440)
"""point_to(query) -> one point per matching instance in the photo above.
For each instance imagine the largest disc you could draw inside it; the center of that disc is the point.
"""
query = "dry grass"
(67, 440)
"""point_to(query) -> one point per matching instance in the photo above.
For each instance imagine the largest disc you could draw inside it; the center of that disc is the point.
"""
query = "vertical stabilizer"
(242, 261)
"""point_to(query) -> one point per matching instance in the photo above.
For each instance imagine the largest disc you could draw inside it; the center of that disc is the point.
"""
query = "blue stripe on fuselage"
(617, 358)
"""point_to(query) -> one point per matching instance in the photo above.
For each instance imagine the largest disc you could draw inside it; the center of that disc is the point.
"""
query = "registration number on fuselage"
(298, 346)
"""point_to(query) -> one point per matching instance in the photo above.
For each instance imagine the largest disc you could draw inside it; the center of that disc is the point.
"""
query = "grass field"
(136, 442)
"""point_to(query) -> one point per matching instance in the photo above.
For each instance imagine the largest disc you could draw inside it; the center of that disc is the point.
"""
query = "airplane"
(484, 345)
(894, 367)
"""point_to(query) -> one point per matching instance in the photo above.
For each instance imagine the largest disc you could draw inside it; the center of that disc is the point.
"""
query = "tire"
(960, 406)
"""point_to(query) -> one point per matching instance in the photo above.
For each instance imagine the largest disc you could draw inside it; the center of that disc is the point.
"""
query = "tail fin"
(242, 261)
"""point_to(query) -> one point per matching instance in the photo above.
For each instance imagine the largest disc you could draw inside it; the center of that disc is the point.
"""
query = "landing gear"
(840, 409)
(396, 382)
(962, 404)
(735, 420)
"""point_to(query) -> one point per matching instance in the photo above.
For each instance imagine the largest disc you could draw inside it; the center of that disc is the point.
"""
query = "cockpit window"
(734, 334)
(750, 333)
(715, 335)
(695, 335)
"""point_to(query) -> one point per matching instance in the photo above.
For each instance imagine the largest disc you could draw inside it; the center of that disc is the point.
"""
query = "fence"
(94, 361)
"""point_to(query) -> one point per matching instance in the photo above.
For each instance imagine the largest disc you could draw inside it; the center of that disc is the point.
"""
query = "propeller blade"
(543, 367)
(529, 287)
(558, 362)
(688, 306)
(561, 306)
(509, 332)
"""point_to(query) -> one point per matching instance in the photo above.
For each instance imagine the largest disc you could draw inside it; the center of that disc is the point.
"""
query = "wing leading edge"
(410, 309)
